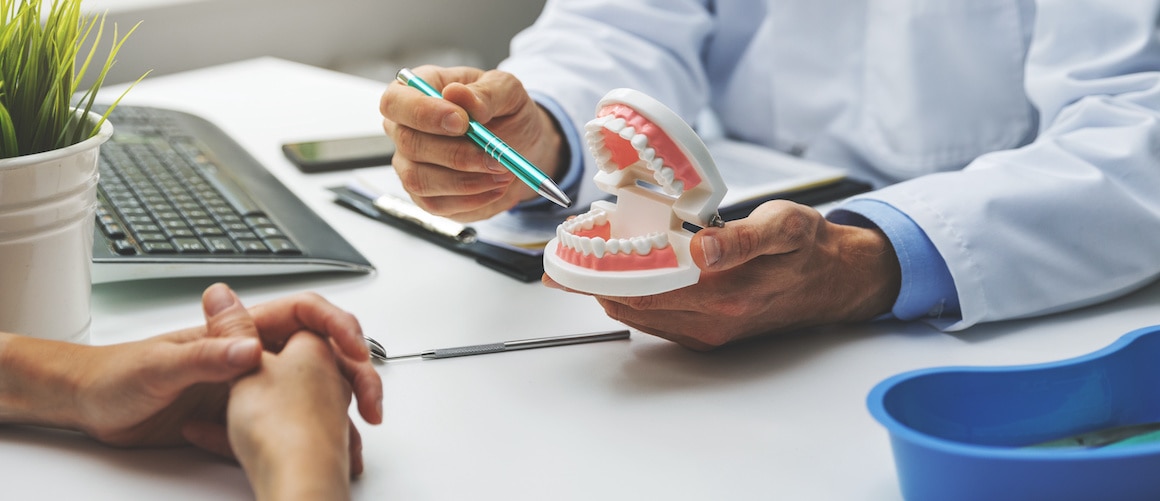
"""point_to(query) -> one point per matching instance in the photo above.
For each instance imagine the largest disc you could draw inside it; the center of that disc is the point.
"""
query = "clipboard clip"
(374, 205)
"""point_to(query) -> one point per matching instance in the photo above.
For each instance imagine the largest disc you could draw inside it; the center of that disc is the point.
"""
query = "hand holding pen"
(446, 175)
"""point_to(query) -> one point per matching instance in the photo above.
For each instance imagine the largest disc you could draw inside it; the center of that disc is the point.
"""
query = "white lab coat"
(1022, 136)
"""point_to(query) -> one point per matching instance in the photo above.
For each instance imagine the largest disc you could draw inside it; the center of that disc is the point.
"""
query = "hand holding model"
(444, 172)
(782, 268)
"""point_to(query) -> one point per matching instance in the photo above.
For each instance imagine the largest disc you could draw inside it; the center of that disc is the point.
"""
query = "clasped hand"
(294, 360)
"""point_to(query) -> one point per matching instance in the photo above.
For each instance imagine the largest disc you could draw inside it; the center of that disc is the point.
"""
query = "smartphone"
(342, 153)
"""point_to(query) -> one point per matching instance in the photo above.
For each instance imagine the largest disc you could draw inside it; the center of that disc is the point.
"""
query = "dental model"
(662, 176)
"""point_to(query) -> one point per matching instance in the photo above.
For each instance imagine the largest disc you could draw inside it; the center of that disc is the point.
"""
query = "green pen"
(494, 146)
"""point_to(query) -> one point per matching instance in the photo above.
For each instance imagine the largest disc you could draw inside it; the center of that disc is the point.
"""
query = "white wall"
(177, 35)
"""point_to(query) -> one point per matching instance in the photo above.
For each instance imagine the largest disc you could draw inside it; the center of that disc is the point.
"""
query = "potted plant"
(49, 141)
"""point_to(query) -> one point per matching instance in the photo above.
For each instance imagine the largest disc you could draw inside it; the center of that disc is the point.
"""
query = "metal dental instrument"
(379, 353)
(494, 146)
(376, 349)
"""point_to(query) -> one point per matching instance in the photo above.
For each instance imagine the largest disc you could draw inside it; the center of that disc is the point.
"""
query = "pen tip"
(555, 194)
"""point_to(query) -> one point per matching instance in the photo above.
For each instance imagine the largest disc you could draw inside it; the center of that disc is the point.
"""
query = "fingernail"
(217, 299)
(241, 352)
(504, 178)
(494, 166)
(453, 123)
(712, 250)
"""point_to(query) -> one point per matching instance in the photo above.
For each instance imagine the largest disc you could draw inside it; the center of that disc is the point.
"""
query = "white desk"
(780, 418)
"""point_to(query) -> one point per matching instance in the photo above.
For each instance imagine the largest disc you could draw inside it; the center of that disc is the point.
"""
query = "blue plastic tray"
(962, 433)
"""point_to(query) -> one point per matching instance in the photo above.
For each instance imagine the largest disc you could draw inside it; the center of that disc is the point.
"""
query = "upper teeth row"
(599, 247)
(663, 174)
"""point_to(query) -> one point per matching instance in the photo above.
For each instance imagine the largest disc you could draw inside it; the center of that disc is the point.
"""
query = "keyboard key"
(174, 224)
(268, 232)
(124, 247)
(220, 245)
(253, 246)
(236, 227)
(242, 235)
(113, 231)
(189, 245)
(158, 248)
(152, 236)
(283, 246)
(208, 231)
(259, 221)
(145, 228)
(183, 232)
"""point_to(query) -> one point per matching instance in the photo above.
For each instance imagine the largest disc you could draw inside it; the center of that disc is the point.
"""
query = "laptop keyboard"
(159, 195)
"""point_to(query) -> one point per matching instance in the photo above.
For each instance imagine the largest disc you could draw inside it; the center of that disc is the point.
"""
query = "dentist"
(1014, 145)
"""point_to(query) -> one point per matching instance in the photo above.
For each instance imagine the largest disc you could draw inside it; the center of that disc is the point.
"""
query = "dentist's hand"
(785, 267)
(444, 172)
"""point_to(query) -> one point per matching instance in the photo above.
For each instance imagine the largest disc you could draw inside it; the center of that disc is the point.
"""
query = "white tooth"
(604, 159)
(627, 133)
(666, 174)
(648, 154)
(615, 125)
(568, 240)
(601, 218)
(586, 245)
(593, 136)
(597, 123)
(626, 246)
(641, 245)
(679, 187)
(656, 164)
(660, 240)
(640, 142)
(587, 223)
(598, 248)
(612, 246)
(578, 244)
(560, 233)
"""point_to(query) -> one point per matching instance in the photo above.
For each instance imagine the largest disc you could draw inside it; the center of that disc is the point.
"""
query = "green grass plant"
(39, 74)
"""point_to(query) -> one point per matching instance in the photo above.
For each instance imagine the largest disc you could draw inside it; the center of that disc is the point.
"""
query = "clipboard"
(528, 266)
(525, 266)
(812, 196)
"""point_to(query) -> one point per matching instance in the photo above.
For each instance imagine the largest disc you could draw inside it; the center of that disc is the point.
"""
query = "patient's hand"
(288, 423)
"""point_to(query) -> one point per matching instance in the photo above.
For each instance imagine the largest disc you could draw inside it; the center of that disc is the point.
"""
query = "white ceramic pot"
(47, 207)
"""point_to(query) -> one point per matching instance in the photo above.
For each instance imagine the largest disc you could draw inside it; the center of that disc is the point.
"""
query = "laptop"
(178, 197)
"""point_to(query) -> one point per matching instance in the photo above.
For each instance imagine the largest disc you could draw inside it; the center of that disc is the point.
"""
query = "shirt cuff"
(927, 290)
(570, 183)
